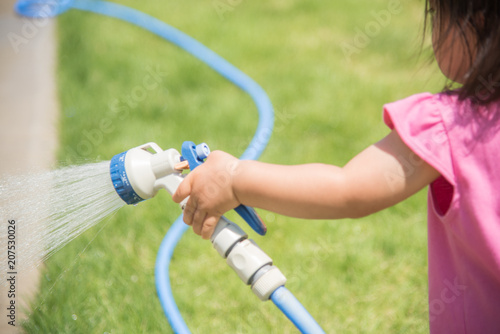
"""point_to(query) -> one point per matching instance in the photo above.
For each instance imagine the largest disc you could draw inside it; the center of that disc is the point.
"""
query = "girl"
(449, 141)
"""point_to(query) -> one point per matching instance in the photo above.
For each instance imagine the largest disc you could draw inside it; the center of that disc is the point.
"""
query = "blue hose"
(281, 297)
(198, 50)
(162, 278)
(294, 311)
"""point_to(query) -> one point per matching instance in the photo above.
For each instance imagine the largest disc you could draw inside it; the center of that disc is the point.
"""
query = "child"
(449, 141)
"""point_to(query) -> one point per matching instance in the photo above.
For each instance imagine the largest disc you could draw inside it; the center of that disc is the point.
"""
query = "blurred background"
(328, 67)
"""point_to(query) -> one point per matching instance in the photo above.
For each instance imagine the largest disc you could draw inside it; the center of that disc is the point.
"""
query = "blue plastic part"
(293, 309)
(202, 151)
(189, 152)
(252, 218)
(121, 181)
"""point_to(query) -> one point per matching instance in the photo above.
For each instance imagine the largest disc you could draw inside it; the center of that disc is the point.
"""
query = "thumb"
(183, 190)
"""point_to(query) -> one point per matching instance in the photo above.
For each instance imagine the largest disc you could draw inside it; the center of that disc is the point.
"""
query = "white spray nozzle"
(140, 172)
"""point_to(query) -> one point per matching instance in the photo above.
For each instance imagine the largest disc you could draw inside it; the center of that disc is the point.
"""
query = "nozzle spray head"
(139, 173)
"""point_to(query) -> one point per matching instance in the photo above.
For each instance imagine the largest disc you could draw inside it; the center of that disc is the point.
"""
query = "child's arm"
(380, 176)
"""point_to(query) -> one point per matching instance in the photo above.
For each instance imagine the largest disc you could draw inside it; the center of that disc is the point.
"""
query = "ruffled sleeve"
(418, 119)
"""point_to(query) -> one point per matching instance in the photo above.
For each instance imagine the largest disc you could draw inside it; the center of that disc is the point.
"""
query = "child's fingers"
(189, 211)
(198, 219)
(183, 190)
(209, 226)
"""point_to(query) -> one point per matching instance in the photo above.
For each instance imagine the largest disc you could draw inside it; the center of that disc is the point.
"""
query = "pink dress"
(463, 207)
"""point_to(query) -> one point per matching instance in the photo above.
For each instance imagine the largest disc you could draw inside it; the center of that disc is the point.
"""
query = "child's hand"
(210, 187)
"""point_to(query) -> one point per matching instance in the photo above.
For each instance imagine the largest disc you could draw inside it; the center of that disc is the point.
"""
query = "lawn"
(328, 67)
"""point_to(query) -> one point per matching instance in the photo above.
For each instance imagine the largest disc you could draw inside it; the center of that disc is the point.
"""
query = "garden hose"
(281, 296)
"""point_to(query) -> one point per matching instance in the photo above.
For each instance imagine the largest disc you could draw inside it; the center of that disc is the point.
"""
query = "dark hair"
(481, 18)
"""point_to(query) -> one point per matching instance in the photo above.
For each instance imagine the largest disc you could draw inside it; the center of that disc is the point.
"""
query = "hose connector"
(252, 265)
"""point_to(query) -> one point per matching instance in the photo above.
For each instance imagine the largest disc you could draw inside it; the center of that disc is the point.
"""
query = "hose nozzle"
(138, 174)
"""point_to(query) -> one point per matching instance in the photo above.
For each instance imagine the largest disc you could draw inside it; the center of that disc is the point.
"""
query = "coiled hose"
(281, 297)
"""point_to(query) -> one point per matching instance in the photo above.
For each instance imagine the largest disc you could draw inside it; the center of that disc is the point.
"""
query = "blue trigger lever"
(195, 156)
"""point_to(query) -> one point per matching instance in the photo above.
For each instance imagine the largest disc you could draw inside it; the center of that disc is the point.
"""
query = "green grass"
(355, 276)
